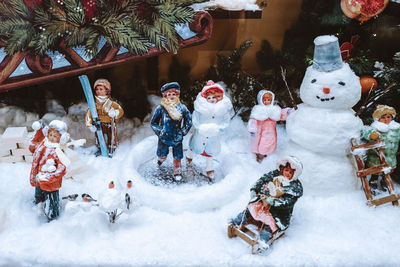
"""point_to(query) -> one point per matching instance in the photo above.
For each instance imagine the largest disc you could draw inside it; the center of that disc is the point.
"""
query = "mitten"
(113, 113)
(92, 128)
(374, 136)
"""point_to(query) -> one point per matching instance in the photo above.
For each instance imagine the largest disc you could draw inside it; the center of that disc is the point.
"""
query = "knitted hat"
(171, 85)
(211, 85)
(61, 127)
(327, 55)
(294, 164)
(261, 94)
(382, 110)
(103, 82)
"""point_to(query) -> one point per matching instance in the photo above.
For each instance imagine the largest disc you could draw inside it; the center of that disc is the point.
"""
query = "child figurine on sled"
(262, 124)
(384, 127)
(211, 116)
(272, 201)
(49, 164)
(171, 121)
(108, 111)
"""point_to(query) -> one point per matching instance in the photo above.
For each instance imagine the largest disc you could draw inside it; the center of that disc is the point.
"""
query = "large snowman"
(320, 129)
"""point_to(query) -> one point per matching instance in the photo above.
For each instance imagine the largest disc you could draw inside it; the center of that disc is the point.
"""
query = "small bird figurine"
(111, 184)
(87, 198)
(71, 197)
(127, 200)
(129, 184)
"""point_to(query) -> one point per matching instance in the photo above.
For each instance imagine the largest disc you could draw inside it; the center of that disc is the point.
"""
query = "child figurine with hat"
(108, 111)
(262, 124)
(49, 164)
(171, 121)
(384, 127)
(211, 116)
(272, 200)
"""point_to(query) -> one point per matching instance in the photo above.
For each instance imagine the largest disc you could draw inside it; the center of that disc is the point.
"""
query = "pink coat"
(263, 123)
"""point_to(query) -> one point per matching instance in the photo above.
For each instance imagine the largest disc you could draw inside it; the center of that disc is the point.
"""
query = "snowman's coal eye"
(313, 80)
(342, 83)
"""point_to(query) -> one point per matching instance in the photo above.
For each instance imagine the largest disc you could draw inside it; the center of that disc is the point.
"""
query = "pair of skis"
(95, 117)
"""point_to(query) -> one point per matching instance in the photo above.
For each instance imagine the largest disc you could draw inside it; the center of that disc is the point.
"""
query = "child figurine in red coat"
(49, 164)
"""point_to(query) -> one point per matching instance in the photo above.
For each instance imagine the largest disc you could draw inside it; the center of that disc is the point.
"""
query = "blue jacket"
(169, 131)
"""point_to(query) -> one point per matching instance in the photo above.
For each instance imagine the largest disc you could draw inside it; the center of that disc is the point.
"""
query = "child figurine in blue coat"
(171, 121)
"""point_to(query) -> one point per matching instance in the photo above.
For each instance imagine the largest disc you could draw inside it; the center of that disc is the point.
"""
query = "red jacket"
(42, 153)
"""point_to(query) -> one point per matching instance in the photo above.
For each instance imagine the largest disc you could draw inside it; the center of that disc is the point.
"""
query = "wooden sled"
(250, 233)
(362, 173)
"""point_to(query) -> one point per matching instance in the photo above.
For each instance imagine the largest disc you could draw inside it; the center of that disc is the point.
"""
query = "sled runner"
(382, 169)
(250, 233)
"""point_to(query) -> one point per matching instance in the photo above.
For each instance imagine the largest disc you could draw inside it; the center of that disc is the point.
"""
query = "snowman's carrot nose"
(326, 90)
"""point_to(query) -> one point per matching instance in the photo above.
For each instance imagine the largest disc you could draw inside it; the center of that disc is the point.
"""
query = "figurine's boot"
(189, 158)
(260, 157)
(373, 184)
(210, 168)
(211, 175)
(161, 160)
(383, 184)
(177, 169)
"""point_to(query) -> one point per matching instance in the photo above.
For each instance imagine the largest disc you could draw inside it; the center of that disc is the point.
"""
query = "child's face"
(288, 172)
(213, 96)
(54, 136)
(386, 118)
(267, 99)
(170, 94)
(101, 90)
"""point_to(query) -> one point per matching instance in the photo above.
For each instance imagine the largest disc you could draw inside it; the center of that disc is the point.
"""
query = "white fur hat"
(294, 164)
(261, 94)
(61, 127)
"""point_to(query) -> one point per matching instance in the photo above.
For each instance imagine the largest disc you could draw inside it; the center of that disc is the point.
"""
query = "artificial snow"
(187, 224)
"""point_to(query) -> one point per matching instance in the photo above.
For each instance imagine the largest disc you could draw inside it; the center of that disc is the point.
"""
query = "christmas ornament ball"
(367, 83)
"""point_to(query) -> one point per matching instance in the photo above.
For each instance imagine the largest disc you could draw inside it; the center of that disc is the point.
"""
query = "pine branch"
(75, 12)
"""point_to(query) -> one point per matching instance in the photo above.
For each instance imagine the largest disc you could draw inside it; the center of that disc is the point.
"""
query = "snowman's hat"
(327, 55)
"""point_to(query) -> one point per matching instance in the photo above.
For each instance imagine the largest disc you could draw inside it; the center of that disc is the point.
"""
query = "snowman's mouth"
(325, 99)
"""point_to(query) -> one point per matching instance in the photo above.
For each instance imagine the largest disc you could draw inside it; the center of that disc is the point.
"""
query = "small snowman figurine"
(320, 129)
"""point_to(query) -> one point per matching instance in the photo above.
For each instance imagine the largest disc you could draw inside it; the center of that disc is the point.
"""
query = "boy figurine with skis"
(384, 127)
(171, 121)
(262, 124)
(108, 111)
(211, 116)
(272, 201)
(49, 164)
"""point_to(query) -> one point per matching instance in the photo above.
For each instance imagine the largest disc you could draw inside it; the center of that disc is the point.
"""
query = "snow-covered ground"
(187, 225)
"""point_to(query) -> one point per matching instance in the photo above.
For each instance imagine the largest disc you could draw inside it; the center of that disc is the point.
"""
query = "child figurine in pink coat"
(262, 124)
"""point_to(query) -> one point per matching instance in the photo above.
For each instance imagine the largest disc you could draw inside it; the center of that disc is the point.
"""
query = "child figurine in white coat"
(211, 116)
(262, 124)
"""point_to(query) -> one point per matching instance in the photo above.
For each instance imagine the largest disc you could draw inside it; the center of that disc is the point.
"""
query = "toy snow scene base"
(186, 221)
(194, 174)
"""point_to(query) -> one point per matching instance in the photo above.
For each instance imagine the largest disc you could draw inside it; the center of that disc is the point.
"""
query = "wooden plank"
(235, 14)
(372, 170)
(244, 236)
(383, 200)
(371, 145)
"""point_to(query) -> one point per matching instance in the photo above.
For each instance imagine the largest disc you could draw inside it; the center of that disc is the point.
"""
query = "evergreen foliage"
(135, 24)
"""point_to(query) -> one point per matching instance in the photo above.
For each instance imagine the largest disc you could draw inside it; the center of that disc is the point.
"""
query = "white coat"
(209, 121)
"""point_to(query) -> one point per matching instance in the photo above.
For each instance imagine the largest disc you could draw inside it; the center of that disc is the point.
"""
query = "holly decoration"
(363, 10)
(138, 25)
